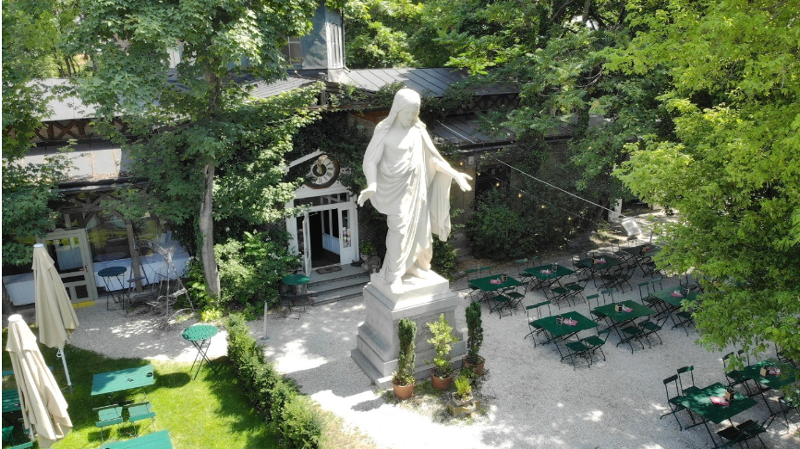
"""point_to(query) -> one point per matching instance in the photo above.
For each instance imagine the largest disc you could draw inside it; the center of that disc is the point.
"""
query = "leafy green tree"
(186, 130)
(31, 34)
(28, 194)
(554, 53)
(377, 33)
(732, 169)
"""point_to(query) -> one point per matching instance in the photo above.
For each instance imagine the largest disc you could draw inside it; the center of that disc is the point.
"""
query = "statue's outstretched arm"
(371, 160)
(462, 179)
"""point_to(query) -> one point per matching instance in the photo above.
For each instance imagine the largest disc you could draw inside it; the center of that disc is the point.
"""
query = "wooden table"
(155, 440)
(122, 380)
(700, 404)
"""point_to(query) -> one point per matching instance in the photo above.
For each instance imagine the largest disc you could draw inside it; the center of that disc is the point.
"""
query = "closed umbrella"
(44, 409)
(55, 315)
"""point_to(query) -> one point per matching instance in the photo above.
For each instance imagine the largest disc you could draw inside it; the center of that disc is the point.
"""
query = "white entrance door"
(73, 260)
(347, 235)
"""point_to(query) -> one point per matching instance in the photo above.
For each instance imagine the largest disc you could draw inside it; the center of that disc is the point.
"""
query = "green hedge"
(275, 398)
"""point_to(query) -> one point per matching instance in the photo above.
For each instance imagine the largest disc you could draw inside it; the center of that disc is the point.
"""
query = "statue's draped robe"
(414, 196)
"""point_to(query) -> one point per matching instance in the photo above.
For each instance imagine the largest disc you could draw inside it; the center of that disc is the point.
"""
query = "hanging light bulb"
(519, 194)
(498, 184)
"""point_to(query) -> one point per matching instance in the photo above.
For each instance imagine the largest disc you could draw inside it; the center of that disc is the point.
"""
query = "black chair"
(534, 312)
(578, 349)
(650, 327)
(681, 373)
(671, 383)
(596, 342)
(734, 377)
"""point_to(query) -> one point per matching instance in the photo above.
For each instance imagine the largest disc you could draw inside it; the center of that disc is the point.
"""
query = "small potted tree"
(473, 360)
(442, 340)
(403, 379)
(461, 401)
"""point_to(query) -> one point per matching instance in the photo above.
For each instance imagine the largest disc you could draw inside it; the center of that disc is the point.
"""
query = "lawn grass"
(208, 412)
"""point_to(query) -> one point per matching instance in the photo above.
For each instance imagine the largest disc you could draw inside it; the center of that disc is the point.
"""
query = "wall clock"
(324, 171)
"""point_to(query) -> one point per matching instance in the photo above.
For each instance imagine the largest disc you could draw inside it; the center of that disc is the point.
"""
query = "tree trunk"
(207, 234)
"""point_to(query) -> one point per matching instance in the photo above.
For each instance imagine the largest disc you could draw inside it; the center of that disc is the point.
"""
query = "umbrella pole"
(60, 354)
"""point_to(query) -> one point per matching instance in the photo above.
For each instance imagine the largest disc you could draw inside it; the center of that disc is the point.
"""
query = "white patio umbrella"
(55, 315)
(44, 409)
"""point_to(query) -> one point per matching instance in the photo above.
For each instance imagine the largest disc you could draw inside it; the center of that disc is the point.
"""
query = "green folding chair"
(108, 416)
(534, 312)
(139, 412)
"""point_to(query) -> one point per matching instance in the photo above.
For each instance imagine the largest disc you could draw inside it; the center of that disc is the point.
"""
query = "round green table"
(200, 336)
(296, 280)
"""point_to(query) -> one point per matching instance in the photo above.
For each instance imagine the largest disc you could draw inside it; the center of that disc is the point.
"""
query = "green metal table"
(155, 440)
(200, 336)
(11, 401)
(595, 266)
(771, 381)
(485, 283)
(546, 275)
(700, 404)
(486, 286)
(114, 272)
(122, 380)
(619, 319)
(674, 299)
(564, 331)
(641, 253)
(296, 280)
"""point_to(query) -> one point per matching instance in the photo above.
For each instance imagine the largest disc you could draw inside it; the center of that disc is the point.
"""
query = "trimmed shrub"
(275, 398)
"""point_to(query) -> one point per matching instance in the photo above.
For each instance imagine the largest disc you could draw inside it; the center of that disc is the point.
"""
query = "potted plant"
(403, 379)
(472, 360)
(367, 249)
(461, 401)
(463, 393)
(442, 340)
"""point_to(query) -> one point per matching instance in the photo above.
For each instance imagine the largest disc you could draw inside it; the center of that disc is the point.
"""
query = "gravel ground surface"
(531, 398)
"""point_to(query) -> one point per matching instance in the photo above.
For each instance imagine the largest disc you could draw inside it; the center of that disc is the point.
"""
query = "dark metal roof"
(266, 90)
(425, 81)
(464, 132)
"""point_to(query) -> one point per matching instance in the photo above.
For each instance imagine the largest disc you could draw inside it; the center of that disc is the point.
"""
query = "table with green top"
(641, 253)
(771, 381)
(598, 265)
(485, 283)
(11, 401)
(563, 331)
(700, 404)
(544, 275)
(155, 440)
(200, 336)
(674, 299)
(620, 319)
(123, 380)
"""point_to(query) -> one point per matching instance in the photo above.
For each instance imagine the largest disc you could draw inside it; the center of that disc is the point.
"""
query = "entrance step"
(330, 289)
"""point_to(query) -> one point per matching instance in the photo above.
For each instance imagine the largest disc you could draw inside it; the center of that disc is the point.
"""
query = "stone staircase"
(338, 286)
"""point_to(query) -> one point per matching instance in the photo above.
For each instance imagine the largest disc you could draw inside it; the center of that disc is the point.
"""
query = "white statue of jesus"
(409, 181)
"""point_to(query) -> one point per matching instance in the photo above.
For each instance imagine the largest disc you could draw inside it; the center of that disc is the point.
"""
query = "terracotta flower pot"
(403, 392)
(476, 368)
(441, 383)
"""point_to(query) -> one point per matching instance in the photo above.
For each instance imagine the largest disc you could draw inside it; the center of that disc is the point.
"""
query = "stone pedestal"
(420, 300)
